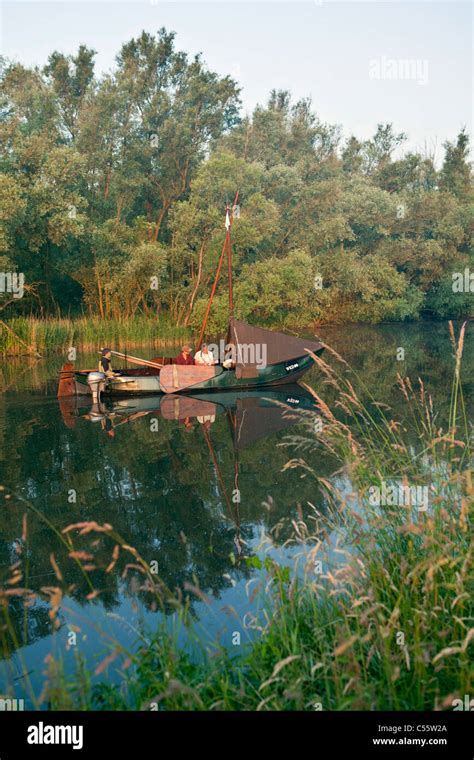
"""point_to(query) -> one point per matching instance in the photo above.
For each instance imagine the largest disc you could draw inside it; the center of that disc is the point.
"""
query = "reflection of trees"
(159, 490)
(371, 350)
(24, 627)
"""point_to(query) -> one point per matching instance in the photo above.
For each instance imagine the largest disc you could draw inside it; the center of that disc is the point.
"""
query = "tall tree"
(456, 174)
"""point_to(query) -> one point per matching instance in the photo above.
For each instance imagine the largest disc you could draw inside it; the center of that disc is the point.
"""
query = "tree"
(71, 77)
(456, 174)
(109, 182)
(378, 151)
(176, 110)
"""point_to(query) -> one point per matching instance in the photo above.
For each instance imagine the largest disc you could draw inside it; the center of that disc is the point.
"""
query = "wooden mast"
(229, 216)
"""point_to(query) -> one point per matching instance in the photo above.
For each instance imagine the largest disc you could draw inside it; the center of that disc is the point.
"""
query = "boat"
(129, 381)
(258, 358)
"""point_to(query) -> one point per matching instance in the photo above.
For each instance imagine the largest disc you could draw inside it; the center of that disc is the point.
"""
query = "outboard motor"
(96, 382)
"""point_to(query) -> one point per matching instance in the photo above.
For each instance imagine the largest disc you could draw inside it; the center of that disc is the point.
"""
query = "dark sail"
(277, 346)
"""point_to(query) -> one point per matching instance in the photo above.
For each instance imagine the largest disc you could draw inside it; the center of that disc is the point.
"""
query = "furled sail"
(253, 345)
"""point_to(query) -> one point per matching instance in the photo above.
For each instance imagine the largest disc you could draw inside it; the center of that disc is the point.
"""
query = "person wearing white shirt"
(204, 356)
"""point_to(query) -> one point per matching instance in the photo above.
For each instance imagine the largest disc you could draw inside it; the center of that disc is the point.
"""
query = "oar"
(136, 360)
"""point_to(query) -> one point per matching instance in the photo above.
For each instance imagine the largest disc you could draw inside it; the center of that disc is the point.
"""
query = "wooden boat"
(130, 381)
(74, 382)
(260, 358)
(287, 361)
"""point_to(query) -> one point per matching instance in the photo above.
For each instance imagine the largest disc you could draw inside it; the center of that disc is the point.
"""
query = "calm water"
(167, 480)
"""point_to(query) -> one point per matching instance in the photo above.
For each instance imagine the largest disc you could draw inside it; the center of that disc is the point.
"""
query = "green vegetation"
(48, 335)
(386, 620)
(113, 189)
(389, 630)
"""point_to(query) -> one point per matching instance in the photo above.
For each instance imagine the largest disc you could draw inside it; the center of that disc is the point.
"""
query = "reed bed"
(43, 336)
(375, 613)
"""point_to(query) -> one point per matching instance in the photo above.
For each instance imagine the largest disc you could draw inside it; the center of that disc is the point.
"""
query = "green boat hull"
(275, 374)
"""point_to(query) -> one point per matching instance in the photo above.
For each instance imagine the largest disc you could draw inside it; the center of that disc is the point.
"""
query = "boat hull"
(275, 374)
(290, 395)
(149, 384)
(272, 375)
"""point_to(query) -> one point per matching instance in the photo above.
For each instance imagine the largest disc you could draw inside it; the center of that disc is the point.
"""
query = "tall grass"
(377, 611)
(55, 334)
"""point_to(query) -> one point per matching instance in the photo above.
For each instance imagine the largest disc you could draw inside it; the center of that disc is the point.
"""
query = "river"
(196, 494)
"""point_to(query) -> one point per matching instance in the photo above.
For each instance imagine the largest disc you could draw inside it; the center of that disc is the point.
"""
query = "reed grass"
(376, 612)
(51, 335)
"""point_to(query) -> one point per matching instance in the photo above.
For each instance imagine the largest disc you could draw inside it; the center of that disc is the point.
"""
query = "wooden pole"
(229, 257)
(216, 280)
(229, 269)
(137, 360)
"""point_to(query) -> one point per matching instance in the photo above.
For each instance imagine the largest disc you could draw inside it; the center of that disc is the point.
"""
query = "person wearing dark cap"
(184, 357)
(104, 364)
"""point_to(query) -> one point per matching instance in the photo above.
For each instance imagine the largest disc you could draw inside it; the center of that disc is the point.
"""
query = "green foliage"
(456, 175)
(12, 208)
(440, 300)
(59, 334)
(109, 181)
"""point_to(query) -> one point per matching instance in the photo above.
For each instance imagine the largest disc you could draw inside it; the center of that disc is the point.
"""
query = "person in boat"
(204, 356)
(105, 365)
(184, 357)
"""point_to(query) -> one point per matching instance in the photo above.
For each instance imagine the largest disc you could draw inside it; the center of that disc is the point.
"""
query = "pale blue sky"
(318, 49)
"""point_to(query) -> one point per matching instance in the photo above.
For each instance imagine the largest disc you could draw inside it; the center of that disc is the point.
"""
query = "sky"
(361, 63)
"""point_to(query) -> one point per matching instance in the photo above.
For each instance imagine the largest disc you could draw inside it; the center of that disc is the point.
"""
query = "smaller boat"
(127, 381)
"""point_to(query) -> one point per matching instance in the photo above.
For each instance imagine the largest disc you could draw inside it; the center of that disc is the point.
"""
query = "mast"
(229, 216)
(228, 224)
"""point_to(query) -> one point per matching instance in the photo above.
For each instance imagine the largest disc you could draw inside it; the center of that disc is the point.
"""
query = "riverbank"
(30, 336)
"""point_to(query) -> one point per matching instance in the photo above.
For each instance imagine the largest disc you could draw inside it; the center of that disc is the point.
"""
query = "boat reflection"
(252, 414)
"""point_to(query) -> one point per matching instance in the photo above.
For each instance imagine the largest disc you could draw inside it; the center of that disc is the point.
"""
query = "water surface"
(195, 491)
